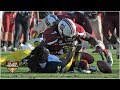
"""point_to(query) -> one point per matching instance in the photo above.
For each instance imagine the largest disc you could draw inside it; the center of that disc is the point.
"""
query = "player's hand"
(98, 50)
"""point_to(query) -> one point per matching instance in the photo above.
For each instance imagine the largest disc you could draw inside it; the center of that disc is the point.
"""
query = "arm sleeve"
(93, 41)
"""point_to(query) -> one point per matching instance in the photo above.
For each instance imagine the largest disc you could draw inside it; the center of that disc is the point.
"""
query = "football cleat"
(86, 71)
(79, 70)
(92, 68)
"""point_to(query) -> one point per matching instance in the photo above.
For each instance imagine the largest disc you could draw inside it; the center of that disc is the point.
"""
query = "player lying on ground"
(40, 60)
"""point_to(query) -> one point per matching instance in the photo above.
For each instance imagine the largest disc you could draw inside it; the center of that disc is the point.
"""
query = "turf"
(22, 72)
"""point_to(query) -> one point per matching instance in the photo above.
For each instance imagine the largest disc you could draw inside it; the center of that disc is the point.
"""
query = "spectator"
(1, 18)
(8, 25)
(22, 22)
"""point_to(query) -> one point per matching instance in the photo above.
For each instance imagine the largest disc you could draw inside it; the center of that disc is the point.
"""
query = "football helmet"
(51, 19)
(67, 29)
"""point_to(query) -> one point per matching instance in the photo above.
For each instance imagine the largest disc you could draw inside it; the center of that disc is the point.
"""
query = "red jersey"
(53, 40)
(79, 28)
(65, 15)
(79, 18)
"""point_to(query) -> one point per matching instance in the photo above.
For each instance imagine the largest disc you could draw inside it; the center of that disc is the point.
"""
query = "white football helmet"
(67, 28)
(51, 19)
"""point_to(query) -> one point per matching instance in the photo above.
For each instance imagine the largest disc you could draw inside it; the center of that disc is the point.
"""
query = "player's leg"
(6, 25)
(97, 27)
(11, 35)
(54, 67)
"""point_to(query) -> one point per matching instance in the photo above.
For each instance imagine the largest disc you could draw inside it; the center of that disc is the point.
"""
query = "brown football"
(104, 67)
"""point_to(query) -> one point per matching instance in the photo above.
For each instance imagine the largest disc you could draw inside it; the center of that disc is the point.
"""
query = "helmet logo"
(62, 26)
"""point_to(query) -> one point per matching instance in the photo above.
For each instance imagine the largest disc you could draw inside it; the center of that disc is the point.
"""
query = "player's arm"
(100, 47)
(96, 43)
(88, 37)
(70, 54)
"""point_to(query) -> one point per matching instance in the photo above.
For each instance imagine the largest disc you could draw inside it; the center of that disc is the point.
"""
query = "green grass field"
(22, 72)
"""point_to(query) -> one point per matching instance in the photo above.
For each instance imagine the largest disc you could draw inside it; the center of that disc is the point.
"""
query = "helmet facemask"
(68, 40)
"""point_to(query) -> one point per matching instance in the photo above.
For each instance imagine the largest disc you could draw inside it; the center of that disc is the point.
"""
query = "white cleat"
(9, 48)
(86, 71)
(76, 70)
(4, 48)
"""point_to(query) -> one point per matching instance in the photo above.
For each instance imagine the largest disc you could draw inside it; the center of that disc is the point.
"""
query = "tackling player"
(65, 33)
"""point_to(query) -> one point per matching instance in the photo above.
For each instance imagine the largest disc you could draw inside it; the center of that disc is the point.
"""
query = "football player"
(77, 17)
(64, 34)
(45, 62)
